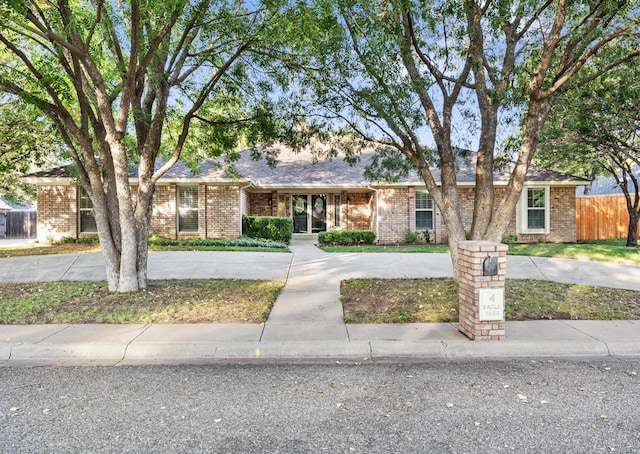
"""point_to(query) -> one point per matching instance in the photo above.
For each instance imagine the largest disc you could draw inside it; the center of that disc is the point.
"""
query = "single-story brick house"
(318, 195)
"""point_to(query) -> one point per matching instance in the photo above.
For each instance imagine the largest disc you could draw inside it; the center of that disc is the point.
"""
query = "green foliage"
(346, 237)
(154, 240)
(510, 238)
(410, 237)
(27, 139)
(268, 227)
(83, 240)
(243, 241)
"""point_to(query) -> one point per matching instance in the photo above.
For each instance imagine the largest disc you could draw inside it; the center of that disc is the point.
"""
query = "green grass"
(410, 248)
(597, 251)
(164, 301)
(436, 301)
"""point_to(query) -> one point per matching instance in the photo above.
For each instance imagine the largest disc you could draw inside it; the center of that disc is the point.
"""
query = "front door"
(309, 210)
(318, 213)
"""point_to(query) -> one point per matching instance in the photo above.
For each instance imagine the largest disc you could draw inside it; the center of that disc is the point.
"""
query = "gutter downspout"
(377, 217)
(242, 188)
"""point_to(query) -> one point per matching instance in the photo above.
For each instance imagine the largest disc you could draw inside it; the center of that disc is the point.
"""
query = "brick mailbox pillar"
(482, 266)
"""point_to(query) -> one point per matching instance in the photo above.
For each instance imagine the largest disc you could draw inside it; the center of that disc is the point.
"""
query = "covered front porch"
(314, 211)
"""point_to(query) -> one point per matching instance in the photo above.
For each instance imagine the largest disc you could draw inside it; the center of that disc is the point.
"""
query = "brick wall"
(223, 211)
(393, 214)
(259, 204)
(164, 220)
(358, 211)
(57, 212)
(562, 218)
(221, 208)
(397, 214)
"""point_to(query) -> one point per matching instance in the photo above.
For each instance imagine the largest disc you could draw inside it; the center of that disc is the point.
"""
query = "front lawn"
(164, 301)
(597, 251)
(436, 301)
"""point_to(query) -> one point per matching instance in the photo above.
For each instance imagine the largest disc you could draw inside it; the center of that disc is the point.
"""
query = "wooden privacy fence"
(16, 225)
(601, 217)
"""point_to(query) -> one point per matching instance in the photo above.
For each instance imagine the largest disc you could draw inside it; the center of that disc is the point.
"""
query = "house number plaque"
(491, 304)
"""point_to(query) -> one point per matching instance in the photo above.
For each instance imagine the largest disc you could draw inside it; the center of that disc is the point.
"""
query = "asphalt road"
(438, 407)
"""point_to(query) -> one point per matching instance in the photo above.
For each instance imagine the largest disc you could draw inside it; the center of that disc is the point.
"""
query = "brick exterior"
(393, 214)
(358, 211)
(57, 212)
(223, 212)
(164, 218)
(396, 211)
(471, 280)
(221, 208)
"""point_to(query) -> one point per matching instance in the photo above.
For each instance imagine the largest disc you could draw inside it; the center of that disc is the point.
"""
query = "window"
(85, 212)
(187, 208)
(337, 203)
(534, 210)
(424, 210)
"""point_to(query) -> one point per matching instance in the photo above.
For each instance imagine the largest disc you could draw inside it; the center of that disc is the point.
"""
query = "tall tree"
(402, 73)
(596, 131)
(113, 76)
(26, 140)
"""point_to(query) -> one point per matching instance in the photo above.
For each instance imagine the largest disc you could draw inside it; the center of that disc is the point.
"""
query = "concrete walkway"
(306, 320)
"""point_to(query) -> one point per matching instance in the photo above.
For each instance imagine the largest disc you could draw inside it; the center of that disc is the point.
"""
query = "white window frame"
(83, 196)
(184, 210)
(522, 211)
(428, 209)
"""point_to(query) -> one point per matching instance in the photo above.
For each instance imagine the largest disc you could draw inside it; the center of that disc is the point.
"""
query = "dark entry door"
(318, 213)
(299, 208)
(309, 213)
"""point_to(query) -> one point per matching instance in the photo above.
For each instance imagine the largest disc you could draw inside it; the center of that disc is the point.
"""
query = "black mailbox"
(490, 266)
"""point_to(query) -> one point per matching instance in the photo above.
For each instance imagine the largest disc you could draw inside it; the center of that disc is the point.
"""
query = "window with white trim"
(337, 204)
(187, 208)
(533, 211)
(424, 210)
(86, 221)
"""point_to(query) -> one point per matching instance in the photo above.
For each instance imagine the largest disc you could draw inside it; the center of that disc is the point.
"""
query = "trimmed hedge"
(346, 237)
(268, 228)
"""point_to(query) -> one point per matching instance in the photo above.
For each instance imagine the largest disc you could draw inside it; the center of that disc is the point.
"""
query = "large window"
(187, 208)
(85, 212)
(534, 210)
(424, 210)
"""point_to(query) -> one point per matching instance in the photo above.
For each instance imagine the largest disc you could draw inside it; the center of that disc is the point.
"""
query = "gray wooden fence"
(17, 225)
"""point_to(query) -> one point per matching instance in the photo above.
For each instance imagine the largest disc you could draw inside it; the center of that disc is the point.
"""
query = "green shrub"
(346, 237)
(268, 228)
(243, 241)
(410, 237)
(511, 238)
(426, 236)
(84, 240)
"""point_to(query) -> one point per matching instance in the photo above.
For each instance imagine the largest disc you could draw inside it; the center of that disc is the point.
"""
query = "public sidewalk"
(306, 321)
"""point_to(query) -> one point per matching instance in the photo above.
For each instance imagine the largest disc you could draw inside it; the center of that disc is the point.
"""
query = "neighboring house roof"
(608, 185)
(20, 206)
(305, 169)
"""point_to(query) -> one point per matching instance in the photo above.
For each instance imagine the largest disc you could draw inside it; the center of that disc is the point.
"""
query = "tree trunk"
(632, 231)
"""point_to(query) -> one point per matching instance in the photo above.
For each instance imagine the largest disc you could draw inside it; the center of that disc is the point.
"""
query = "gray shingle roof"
(304, 169)
(608, 185)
